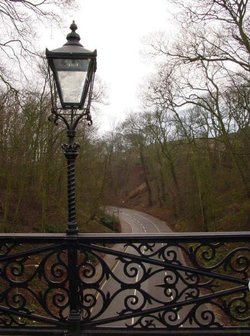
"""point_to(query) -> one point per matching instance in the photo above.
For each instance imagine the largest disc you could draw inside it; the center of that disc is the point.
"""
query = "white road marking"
(157, 229)
(135, 218)
(135, 294)
(106, 281)
(136, 280)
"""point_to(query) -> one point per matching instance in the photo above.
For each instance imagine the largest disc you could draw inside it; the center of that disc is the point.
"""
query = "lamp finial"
(73, 38)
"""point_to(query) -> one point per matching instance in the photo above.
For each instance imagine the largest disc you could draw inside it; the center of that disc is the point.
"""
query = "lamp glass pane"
(72, 76)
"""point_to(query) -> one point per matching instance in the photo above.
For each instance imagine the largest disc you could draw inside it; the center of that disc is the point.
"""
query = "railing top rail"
(127, 237)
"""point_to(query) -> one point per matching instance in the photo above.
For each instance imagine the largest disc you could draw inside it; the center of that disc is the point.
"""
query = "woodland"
(184, 157)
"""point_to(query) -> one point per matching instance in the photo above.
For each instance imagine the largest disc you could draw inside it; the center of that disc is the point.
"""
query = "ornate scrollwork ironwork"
(33, 285)
(189, 285)
(136, 283)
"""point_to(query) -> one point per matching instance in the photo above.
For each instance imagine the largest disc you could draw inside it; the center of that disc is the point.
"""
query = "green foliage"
(111, 222)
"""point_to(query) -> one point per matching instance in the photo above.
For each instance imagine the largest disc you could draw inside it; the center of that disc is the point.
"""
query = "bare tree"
(214, 30)
(19, 24)
(207, 67)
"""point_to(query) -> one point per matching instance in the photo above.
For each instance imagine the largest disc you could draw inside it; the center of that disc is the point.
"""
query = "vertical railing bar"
(74, 318)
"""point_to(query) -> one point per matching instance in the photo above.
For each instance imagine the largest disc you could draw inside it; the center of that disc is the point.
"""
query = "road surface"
(138, 222)
(133, 221)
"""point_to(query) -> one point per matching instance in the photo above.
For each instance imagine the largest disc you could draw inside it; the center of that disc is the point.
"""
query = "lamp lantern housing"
(73, 68)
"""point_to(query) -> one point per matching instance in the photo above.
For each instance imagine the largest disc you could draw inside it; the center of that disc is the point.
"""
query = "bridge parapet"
(124, 283)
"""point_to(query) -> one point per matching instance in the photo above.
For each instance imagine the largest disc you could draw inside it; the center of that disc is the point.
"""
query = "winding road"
(138, 222)
(133, 221)
(137, 281)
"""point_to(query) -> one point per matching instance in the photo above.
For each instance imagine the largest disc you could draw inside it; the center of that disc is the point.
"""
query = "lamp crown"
(73, 38)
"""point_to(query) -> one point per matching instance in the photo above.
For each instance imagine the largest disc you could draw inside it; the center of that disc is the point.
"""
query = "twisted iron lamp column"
(71, 152)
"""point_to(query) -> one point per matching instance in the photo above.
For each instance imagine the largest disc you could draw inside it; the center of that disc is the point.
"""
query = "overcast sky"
(117, 29)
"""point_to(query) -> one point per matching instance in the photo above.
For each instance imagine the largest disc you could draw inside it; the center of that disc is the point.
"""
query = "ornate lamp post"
(72, 70)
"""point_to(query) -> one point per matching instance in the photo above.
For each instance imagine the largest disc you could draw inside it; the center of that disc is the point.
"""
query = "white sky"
(116, 28)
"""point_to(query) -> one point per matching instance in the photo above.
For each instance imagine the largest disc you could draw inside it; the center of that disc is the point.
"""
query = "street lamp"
(71, 75)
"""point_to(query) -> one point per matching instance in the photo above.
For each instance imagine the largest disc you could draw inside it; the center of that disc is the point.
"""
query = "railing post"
(74, 318)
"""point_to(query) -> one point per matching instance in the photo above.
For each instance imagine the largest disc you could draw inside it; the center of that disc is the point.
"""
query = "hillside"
(210, 197)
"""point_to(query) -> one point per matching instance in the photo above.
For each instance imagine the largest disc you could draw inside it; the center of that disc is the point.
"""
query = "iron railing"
(176, 284)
